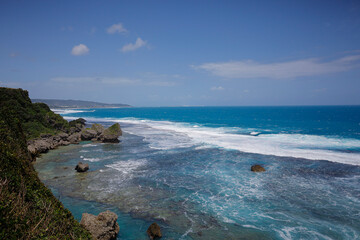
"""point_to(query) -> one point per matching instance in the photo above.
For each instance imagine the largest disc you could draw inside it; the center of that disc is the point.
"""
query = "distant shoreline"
(77, 104)
(69, 108)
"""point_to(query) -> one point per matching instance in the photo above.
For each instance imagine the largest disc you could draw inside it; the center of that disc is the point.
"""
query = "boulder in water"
(111, 134)
(81, 167)
(257, 168)
(101, 227)
(154, 231)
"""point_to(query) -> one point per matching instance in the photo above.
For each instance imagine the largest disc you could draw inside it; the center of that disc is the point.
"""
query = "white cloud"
(219, 88)
(280, 70)
(116, 28)
(161, 83)
(79, 50)
(133, 46)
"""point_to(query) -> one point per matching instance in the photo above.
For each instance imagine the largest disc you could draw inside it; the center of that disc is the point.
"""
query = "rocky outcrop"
(154, 231)
(76, 134)
(88, 134)
(74, 138)
(111, 134)
(81, 167)
(101, 227)
(98, 128)
(47, 142)
(98, 133)
(257, 168)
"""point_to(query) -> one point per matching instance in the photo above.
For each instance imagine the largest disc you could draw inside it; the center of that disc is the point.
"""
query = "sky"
(183, 53)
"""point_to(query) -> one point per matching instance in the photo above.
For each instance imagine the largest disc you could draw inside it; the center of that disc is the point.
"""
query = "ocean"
(188, 169)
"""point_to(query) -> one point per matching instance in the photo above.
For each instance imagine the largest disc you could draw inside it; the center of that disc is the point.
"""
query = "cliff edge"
(29, 210)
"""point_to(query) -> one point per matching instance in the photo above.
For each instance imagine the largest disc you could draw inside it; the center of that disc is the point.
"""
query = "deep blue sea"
(188, 169)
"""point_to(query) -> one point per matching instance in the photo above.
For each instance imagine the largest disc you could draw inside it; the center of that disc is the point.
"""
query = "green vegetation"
(35, 118)
(97, 127)
(114, 129)
(28, 210)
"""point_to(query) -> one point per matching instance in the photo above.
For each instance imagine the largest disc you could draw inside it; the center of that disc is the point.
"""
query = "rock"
(31, 148)
(257, 168)
(154, 231)
(77, 125)
(74, 138)
(88, 134)
(64, 143)
(42, 145)
(82, 167)
(46, 135)
(63, 135)
(98, 128)
(101, 227)
(111, 134)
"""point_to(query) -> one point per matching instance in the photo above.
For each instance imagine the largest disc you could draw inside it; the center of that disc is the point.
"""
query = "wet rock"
(111, 134)
(154, 231)
(257, 168)
(101, 227)
(82, 167)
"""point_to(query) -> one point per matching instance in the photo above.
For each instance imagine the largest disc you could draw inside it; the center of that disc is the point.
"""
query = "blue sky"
(183, 53)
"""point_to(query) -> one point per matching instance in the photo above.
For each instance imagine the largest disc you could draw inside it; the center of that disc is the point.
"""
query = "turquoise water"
(189, 170)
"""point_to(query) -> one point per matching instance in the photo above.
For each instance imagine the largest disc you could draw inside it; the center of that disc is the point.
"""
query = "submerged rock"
(154, 231)
(257, 168)
(82, 167)
(101, 227)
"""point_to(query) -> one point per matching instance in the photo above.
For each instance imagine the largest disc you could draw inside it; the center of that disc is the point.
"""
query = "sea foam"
(166, 135)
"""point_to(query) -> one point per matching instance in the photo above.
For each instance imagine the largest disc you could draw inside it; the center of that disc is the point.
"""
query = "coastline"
(162, 160)
(177, 174)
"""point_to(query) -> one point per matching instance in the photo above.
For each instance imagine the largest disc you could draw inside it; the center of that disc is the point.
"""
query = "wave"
(70, 111)
(127, 167)
(166, 135)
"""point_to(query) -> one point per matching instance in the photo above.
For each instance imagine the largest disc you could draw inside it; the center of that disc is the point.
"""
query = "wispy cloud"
(116, 28)
(133, 46)
(280, 70)
(219, 88)
(68, 28)
(79, 50)
(111, 81)
(13, 54)
(93, 30)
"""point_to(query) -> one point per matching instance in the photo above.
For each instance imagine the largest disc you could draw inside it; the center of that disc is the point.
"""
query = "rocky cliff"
(28, 210)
